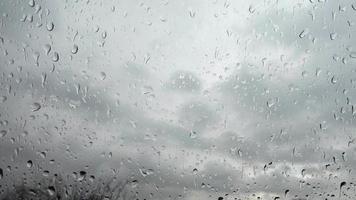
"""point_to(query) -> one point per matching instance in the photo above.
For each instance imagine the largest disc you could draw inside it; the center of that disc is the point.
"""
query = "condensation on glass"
(177, 99)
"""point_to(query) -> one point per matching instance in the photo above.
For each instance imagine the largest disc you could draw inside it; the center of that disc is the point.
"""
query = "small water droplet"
(303, 33)
(3, 133)
(47, 48)
(82, 175)
(251, 9)
(51, 190)
(35, 107)
(43, 154)
(146, 172)
(92, 178)
(342, 184)
(45, 173)
(50, 26)
(3, 99)
(333, 36)
(55, 57)
(104, 35)
(195, 171)
(102, 76)
(271, 102)
(286, 193)
(29, 164)
(333, 80)
(31, 3)
(75, 49)
(193, 134)
(353, 55)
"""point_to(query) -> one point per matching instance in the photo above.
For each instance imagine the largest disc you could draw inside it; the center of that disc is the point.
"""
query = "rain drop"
(333, 36)
(303, 33)
(29, 164)
(102, 76)
(55, 57)
(35, 107)
(3, 99)
(193, 134)
(50, 26)
(75, 49)
(333, 80)
(47, 48)
(31, 3)
(51, 190)
(3, 133)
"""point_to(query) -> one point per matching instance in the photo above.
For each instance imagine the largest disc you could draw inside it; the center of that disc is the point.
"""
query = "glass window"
(177, 99)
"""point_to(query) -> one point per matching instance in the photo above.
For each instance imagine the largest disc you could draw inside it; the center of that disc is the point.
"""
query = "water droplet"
(353, 55)
(104, 35)
(31, 3)
(195, 171)
(333, 80)
(43, 154)
(75, 49)
(50, 26)
(3, 99)
(146, 172)
(286, 193)
(342, 184)
(45, 173)
(92, 178)
(29, 164)
(51, 190)
(271, 102)
(35, 107)
(1, 173)
(303, 33)
(251, 9)
(102, 76)
(55, 57)
(3, 133)
(82, 175)
(47, 48)
(333, 36)
(193, 134)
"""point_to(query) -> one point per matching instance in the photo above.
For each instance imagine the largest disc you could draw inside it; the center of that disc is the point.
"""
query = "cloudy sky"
(187, 99)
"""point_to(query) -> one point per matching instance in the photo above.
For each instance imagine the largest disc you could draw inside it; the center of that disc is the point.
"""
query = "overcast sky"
(195, 99)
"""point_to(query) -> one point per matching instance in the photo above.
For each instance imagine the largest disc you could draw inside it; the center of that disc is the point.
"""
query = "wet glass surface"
(177, 99)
